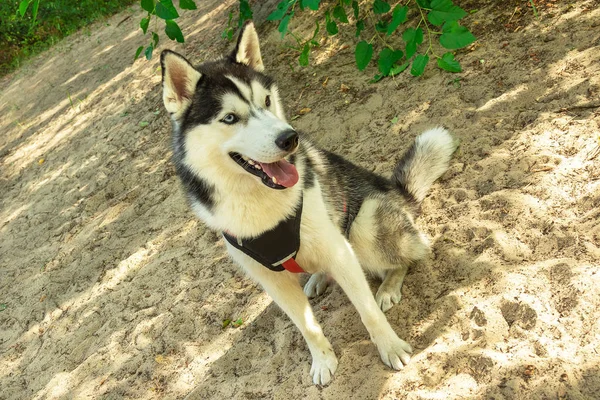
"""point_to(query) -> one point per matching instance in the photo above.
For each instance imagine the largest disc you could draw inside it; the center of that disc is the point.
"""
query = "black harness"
(277, 248)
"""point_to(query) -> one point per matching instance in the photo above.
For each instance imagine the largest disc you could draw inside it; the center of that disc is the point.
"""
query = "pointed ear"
(179, 79)
(247, 50)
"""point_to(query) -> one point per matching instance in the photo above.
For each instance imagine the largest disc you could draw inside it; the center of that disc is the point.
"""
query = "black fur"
(198, 189)
(211, 87)
(351, 184)
(399, 179)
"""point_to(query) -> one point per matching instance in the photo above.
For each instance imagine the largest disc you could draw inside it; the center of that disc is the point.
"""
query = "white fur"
(249, 49)
(433, 150)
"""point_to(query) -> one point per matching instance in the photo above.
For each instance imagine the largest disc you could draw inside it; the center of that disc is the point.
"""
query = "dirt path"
(109, 288)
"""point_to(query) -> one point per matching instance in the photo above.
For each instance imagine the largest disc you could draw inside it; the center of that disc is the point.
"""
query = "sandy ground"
(110, 288)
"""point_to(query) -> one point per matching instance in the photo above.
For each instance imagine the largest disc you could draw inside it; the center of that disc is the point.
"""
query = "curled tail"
(424, 162)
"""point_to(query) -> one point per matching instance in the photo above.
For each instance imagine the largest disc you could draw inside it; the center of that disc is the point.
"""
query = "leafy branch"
(385, 22)
(165, 10)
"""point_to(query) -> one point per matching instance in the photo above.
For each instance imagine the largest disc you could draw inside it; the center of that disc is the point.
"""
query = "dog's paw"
(316, 285)
(323, 367)
(395, 353)
(386, 297)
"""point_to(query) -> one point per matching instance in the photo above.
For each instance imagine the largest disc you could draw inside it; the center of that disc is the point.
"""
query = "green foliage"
(165, 10)
(363, 54)
(245, 14)
(398, 18)
(448, 63)
(403, 35)
(416, 22)
(455, 36)
(28, 27)
(172, 30)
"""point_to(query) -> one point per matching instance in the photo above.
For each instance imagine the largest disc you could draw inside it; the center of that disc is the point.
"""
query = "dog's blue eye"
(230, 119)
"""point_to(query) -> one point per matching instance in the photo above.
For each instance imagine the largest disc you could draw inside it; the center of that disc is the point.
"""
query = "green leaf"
(399, 69)
(363, 54)
(331, 26)
(381, 7)
(226, 323)
(166, 10)
(355, 9)
(173, 32)
(424, 3)
(398, 18)
(148, 52)
(312, 4)
(280, 11)
(419, 64)
(340, 13)
(138, 52)
(187, 5)
(413, 37)
(34, 10)
(381, 26)
(303, 59)
(155, 39)
(148, 5)
(245, 13)
(360, 26)
(448, 63)
(144, 124)
(444, 11)
(455, 36)
(387, 58)
(144, 24)
(23, 7)
(283, 25)
(316, 31)
(376, 78)
(3, 306)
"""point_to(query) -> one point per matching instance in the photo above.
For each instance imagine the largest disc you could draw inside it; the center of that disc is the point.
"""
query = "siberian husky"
(285, 206)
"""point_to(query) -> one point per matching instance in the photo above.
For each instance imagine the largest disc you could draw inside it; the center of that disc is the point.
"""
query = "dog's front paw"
(395, 352)
(316, 285)
(386, 297)
(323, 367)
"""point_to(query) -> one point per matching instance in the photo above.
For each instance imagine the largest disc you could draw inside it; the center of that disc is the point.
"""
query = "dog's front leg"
(284, 288)
(346, 270)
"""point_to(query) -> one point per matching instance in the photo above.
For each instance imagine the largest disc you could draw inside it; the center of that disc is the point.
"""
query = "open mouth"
(278, 175)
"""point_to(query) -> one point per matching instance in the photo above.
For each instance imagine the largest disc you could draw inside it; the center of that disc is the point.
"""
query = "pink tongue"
(285, 173)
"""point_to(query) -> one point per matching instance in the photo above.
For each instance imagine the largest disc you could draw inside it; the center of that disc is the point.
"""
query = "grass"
(21, 39)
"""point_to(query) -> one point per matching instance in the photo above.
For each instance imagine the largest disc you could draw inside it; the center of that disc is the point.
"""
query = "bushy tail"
(425, 161)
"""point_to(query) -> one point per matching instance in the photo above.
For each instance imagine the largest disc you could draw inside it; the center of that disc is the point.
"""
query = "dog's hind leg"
(316, 285)
(390, 291)
(345, 269)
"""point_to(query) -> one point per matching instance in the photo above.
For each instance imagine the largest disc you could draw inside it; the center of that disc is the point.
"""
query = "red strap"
(292, 266)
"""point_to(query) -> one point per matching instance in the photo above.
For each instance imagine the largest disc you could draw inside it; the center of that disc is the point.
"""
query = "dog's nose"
(287, 140)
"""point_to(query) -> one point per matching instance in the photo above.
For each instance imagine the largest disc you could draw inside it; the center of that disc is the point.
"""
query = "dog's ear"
(179, 80)
(247, 50)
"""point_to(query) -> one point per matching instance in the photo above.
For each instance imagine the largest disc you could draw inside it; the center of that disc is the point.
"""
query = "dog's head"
(228, 113)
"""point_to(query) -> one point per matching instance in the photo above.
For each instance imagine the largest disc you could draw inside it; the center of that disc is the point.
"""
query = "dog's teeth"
(257, 166)
(250, 162)
(274, 179)
(245, 158)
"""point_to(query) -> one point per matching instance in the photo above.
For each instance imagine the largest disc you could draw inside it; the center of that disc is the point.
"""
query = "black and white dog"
(285, 206)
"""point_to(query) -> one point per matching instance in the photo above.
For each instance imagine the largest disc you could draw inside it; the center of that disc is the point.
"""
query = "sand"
(110, 288)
